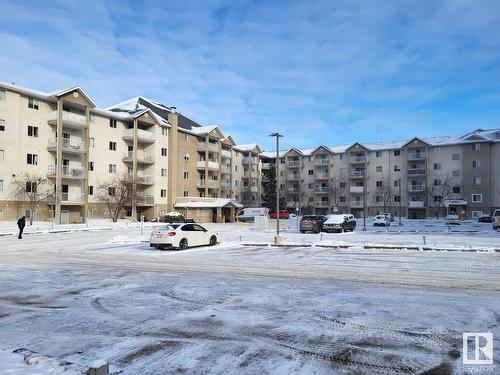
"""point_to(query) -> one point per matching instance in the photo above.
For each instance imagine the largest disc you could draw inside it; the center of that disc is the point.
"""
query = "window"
(379, 199)
(32, 159)
(163, 172)
(379, 168)
(476, 163)
(111, 191)
(455, 157)
(437, 149)
(30, 187)
(92, 142)
(163, 193)
(91, 165)
(32, 131)
(90, 212)
(397, 152)
(310, 185)
(236, 168)
(112, 123)
(397, 198)
(236, 183)
(476, 214)
(33, 103)
(397, 168)
(310, 172)
(186, 156)
(378, 184)
(2, 154)
(396, 183)
(456, 189)
(1, 185)
(437, 198)
(342, 199)
(186, 175)
(185, 193)
(476, 180)
(378, 154)
(91, 190)
(163, 131)
(112, 168)
(477, 198)
(476, 146)
(455, 173)
(112, 146)
(342, 185)
(437, 166)
(186, 137)
(437, 182)
(2, 94)
(163, 151)
(2, 125)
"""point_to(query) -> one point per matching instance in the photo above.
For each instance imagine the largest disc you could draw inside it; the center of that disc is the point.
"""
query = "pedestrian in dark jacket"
(21, 223)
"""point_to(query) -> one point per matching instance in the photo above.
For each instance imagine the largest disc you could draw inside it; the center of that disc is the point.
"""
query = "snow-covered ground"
(67, 299)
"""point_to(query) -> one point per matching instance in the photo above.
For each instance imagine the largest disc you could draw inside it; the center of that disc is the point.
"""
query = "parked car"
(248, 214)
(312, 223)
(389, 216)
(282, 214)
(339, 223)
(452, 219)
(496, 219)
(181, 236)
(485, 219)
(381, 221)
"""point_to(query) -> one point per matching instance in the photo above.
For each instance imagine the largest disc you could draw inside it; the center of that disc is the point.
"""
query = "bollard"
(423, 237)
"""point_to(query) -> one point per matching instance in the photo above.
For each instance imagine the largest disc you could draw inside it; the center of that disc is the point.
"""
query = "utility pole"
(277, 238)
(364, 196)
(399, 184)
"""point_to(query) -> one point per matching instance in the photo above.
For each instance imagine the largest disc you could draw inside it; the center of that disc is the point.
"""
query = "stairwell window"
(477, 198)
(476, 163)
(164, 172)
(164, 131)
(476, 180)
(112, 123)
(91, 190)
(163, 151)
(397, 152)
(33, 103)
(397, 168)
(2, 125)
(456, 189)
(476, 146)
(91, 165)
(186, 175)
(2, 94)
(32, 159)
(378, 154)
(455, 157)
(112, 168)
(455, 173)
(1, 185)
(32, 131)
(163, 193)
(379, 168)
(185, 193)
(112, 146)
(437, 166)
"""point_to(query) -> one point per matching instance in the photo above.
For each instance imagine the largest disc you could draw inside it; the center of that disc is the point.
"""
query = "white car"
(381, 221)
(452, 219)
(181, 236)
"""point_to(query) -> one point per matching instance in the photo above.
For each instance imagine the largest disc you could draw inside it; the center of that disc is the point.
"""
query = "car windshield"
(308, 217)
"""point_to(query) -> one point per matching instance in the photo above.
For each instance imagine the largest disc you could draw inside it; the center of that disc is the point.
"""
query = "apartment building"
(417, 178)
(172, 162)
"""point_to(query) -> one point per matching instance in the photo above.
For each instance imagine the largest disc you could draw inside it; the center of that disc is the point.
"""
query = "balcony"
(72, 199)
(357, 174)
(359, 159)
(225, 170)
(356, 189)
(212, 147)
(321, 190)
(142, 157)
(416, 188)
(293, 190)
(293, 177)
(416, 172)
(293, 163)
(322, 176)
(266, 165)
(225, 186)
(254, 189)
(321, 162)
(69, 119)
(67, 172)
(226, 154)
(211, 184)
(145, 200)
(322, 204)
(145, 180)
(67, 146)
(416, 204)
(356, 204)
(415, 156)
(143, 136)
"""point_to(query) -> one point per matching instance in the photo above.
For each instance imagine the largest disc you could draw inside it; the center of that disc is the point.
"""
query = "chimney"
(173, 109)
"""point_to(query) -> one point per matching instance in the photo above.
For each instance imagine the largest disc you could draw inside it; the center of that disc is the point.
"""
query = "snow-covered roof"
(202, 130)
(247, 147)
(134, 108)
(221, 202)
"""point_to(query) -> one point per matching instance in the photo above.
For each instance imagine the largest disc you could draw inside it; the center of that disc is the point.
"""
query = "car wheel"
(302, 231)
(213, 241)
(183, 244)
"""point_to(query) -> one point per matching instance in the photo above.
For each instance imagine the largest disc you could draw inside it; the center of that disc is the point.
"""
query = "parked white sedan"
(181, 236)
(381, 221)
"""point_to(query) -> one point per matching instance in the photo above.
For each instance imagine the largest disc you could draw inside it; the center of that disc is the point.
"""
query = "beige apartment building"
(170, 161)
(417, 178)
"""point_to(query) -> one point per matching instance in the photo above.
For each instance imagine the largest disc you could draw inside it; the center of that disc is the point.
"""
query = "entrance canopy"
(454, 202)
(217, 203)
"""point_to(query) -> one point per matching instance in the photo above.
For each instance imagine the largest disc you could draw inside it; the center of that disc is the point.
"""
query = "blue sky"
(321, 72)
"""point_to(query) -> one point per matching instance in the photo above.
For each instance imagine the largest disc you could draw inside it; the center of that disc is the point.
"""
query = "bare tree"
(440, 190)
(32, 188)
(337, 189)
(118, 194)
(385, 191)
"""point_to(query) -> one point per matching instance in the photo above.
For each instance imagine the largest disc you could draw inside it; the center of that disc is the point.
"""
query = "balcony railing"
(357, 159)
(293, 190)
(415, 156)
(416, 204)
(212, 147)
(357, 174)
(293, 163)
(322, 162)
(356, 189)
(293, 177)
(416, 188)
(142, 135)
(145, 200)
(416, 171)
(142, 157)
(356, 204)
(321, 204)
(322, 176)
(68, 118)
(225, 170)
(226, 154)
(145, 180)
(67, 146)
(321, 189)
(211, 184)
(67, 172)
(225, 185)
(72, 198)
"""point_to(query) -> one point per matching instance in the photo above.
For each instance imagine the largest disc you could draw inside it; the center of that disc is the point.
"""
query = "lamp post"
(364, 198)
(399, 184)
(277, 237)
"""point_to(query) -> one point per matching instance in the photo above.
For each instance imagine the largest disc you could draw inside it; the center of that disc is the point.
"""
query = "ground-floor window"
(1, 214)
(476, 214)
(91, 212)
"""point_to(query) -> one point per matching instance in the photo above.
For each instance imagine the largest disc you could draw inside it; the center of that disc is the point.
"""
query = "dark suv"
(312, 223)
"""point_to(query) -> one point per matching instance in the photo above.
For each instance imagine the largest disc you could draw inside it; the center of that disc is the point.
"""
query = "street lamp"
(399, 183)
(277, 238)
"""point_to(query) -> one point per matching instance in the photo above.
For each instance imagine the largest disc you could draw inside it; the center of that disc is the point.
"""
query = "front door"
(65, 217)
